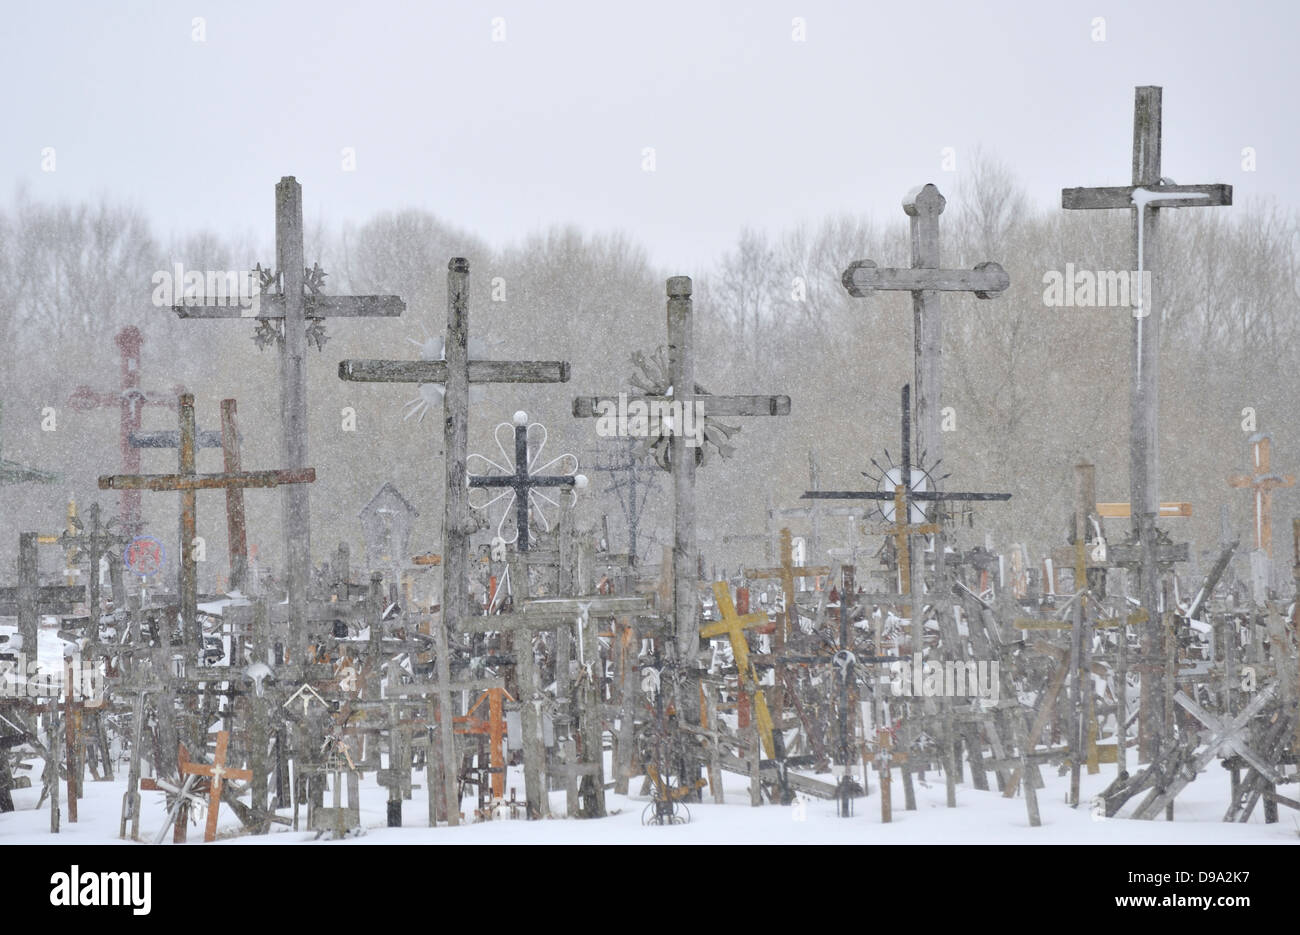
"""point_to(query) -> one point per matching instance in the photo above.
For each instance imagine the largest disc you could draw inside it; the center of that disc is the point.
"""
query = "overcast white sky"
(748, 126)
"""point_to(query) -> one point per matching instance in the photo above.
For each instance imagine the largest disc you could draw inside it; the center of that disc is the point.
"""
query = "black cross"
(521, 482)
(903, 491)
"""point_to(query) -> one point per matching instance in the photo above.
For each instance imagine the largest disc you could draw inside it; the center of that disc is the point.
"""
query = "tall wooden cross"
(682, 459)
(926, 280)
(188, 482)
(1262, 482)
(298, 309)
(130, 400)
(1148, 193)
(456, 372)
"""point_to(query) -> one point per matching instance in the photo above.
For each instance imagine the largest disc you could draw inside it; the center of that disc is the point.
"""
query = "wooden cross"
(456, 372)
(493, 727)
(442, 689)
(188, 482)
(11, 472)
(684, 390)
(1148, 193)
(217, 772)
(575, 770)
(297, 309)
(28, 601)
(227, 439)
(96, 543)
(1221, 733)
(522, 481)
(130, 399)
(1262, 481)
(786, 573)
(926, 280)
(733, 626)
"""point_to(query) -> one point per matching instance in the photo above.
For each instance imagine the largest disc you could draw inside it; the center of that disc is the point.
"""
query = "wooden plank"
(435, 371)
(314, 307)
(864, 277)
(1121, 196)
(1124, 510)
(182, 482)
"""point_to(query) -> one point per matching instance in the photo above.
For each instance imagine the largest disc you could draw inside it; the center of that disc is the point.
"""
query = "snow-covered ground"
(980, 817)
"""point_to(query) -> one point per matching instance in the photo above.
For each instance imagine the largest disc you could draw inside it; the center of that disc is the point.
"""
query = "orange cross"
(217, 772)
(495, 730)
(1263, 482)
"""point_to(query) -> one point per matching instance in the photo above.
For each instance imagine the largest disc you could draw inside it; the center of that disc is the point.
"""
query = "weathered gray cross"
(298, 308)
(188, 482)
(1149, 193)
(456, 372)
(926, 280)
(684, 391)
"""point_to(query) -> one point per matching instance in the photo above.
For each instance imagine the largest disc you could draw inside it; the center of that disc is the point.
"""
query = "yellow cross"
(733, 626)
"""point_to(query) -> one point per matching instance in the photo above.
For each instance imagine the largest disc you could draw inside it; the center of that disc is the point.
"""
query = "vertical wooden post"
(296, 502)
(235, 525)
(530, 700)
(681, 363)
(70, 742)
(1085, 496)
(455, 597)
(259, 722)
(28, 594)
(189, 571)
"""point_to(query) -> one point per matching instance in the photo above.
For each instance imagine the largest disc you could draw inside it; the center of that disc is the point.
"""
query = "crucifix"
(131, 400)
(217, 772)
(682, 455)
(290, 318)
(1262, 482)
(188, 482)
(732, 625)
(1145, 197)
(579, 611)
(926, 281)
